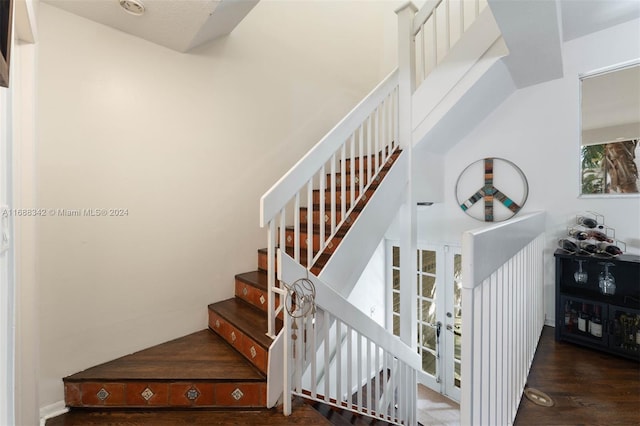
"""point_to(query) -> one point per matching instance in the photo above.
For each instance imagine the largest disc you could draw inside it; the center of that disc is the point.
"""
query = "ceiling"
(178, 24)
(582, 17)
(184, 24)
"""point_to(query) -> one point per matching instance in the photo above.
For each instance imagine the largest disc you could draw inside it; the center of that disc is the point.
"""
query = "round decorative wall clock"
(488, 180)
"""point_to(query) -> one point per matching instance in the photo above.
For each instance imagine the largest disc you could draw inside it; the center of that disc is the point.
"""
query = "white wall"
(24, 196)
(538, 129)
(187, 143)
(369, 293)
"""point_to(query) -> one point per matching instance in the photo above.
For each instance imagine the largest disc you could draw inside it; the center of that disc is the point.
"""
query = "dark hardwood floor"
(587, 386)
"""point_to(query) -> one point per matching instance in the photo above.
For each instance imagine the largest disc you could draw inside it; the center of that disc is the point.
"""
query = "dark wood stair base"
(198, 370)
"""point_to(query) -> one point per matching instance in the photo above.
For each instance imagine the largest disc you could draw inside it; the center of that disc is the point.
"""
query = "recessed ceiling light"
(134, 7)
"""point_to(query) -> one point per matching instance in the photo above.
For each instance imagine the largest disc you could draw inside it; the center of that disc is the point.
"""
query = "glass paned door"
(438, 306)
(429, 328)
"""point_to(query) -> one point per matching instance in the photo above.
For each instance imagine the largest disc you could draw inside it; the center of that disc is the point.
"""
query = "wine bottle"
(608, 249)
(578, 234)
(587, 222)
(597, 235)
(596, 322)
(588, 247)
(582, 319)
(568, 245)
(567, 315)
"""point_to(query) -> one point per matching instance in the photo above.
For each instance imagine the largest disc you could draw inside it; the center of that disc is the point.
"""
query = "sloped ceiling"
(178, 24)
(582, 17)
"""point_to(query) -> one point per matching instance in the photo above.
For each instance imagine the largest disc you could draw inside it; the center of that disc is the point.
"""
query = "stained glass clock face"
(492, 189)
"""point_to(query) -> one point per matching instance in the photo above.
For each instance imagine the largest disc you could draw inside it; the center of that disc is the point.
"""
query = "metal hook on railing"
(301, 297)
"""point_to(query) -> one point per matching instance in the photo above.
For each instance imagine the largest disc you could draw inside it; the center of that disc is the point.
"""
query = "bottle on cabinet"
(583, 319)
(588, 247)
(596, 322)
(578, 234)
(568, 245)
(587, 222)
(609, 249)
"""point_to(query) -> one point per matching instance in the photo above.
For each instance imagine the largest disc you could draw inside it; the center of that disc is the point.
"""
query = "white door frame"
(7, 270)
(443, 379)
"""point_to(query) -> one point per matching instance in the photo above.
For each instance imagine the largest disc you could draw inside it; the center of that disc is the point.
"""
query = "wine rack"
(585, 314)
(588, 235)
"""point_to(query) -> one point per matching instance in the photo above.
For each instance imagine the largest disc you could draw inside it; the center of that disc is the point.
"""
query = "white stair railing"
(321, 191)
(502, 318)
(340, 357)
(437, 26)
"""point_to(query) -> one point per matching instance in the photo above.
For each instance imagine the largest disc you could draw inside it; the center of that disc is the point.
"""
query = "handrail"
(513, 235)
(306, 209)
(288, 185)
(424, 14)
(332, 302)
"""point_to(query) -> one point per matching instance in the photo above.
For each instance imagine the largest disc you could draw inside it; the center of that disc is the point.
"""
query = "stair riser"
(131, 394)
(330, 248)
(262, 260)
(247, 347)
(251, 294)
(338, 196)
(367, 161)
(316, 216)
(348, 179)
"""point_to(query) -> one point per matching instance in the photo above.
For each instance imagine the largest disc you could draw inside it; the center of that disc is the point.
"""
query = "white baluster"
(321, 220)
(328, 319)
(310, 234)
(313, 353)
(361, 158)
(368, 375)
(369, 140)
(359, 361)
(343, 186)
(271, 254)
(296, 228)
(350, 361)
(333, 194)
(338, 361)
(352, 172)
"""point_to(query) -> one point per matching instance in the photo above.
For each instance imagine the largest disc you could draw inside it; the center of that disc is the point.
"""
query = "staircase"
(325, 217)
(222, 367)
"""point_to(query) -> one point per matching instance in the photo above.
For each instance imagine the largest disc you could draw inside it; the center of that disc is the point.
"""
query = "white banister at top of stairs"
(319, 193)
(436, 27)
(502, 318)
(336, 350)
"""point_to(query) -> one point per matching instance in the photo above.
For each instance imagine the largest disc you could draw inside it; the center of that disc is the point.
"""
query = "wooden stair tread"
(246, 318)
(303, 414)
(258, 279)
(198, 356)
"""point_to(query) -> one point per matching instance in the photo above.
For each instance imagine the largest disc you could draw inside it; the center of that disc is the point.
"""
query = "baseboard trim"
(52, 410)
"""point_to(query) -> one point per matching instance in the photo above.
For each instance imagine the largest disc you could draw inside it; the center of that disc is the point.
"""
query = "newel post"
(406, 71)
(408, 227)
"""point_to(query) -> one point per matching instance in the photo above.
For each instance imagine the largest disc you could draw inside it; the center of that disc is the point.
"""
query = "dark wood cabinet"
(586, 316)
